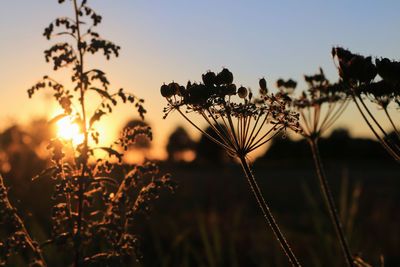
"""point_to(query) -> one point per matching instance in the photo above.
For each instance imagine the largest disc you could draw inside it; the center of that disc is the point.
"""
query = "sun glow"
(69, 131)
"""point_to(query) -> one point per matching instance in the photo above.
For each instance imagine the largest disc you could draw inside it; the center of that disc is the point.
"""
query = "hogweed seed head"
(225, 77)
(319, 106)
(209, 78)
(241, 126)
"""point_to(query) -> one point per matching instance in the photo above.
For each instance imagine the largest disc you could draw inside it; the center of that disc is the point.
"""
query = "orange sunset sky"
(163, 41)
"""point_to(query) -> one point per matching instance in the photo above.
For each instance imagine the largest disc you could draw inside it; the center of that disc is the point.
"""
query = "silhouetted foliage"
(235, 123)
(96, 199)
(359, 75)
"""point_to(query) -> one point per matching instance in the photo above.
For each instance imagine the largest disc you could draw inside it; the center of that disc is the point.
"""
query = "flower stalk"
(328, 197)
(320, 106)
(359, 74)
(239, 127)
(267, 213)
(21, 235)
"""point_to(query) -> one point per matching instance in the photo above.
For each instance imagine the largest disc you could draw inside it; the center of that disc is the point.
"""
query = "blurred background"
(213, 220)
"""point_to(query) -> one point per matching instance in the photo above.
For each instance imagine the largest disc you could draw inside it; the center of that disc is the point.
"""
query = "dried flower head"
(358, 74)
(240, 126)
(320, 105)
(352, 67)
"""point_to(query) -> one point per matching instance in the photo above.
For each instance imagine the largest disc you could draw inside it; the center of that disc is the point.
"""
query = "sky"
(179, 40)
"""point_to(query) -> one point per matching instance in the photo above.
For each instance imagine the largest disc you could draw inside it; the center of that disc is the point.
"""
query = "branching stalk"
(330, 202)
(19, 224)
(267, 213)
(82, 88)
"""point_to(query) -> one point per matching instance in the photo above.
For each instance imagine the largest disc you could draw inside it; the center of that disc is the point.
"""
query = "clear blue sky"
(179, 40)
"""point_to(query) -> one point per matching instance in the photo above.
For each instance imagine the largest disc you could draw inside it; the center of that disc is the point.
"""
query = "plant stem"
(82, 88)
(330, 202)
(19, 225)
(380, 139)
(267, 213)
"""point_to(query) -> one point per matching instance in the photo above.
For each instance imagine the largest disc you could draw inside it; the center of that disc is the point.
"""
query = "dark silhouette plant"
(320, 106)
(19, 240)
(239, 127)
(95, 200)
(359, 75)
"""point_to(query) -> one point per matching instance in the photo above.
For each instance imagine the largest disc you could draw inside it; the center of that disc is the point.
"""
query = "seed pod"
(250, 95)
(280, 82)
(263, 86)
(209, 78)
(198, 94)
(242, 92)
(165, 91)
(231, 89)
(368, 71)
(225, 77)
(290, 84)
(388, 70)
(308, 79)
(181, 91)
(174, 88)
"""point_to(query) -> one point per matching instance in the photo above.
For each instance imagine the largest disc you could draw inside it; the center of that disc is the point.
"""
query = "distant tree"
(340, 133)
(179, 142)
(338, 145)
(209, 152)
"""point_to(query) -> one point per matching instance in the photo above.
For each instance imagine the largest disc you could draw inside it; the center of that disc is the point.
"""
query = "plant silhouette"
(320, 106)
(359, 75)
(239, 127)
(95, 199)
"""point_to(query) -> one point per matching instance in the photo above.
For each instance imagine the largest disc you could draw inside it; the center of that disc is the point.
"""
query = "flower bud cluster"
(319, 91)
(320, 105)
(359, 73)
(214, 100)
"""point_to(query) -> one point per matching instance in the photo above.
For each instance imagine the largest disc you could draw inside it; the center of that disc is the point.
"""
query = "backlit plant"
(241, 123)
(95, 199)
(320, 106)
(359, 74)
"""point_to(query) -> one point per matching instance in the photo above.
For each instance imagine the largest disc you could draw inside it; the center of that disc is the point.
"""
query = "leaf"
(112, 152)
(57, 118)
(102, 92)
(96, 117)
(48, 171)
(106, 179)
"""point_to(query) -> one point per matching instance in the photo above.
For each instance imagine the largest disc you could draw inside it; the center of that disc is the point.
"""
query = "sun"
(69, 131)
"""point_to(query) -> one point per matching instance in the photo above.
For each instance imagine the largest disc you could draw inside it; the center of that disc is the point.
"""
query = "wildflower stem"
(206, 134)
(82, 88)
(391, 121)
(328, 123)
(226, 139)
(252, 138)
(19, 224)
(381, 140)
(266, 212)
(252, 131)
(329, 201)
(372, 116)
(231, 125)
(254, 145)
